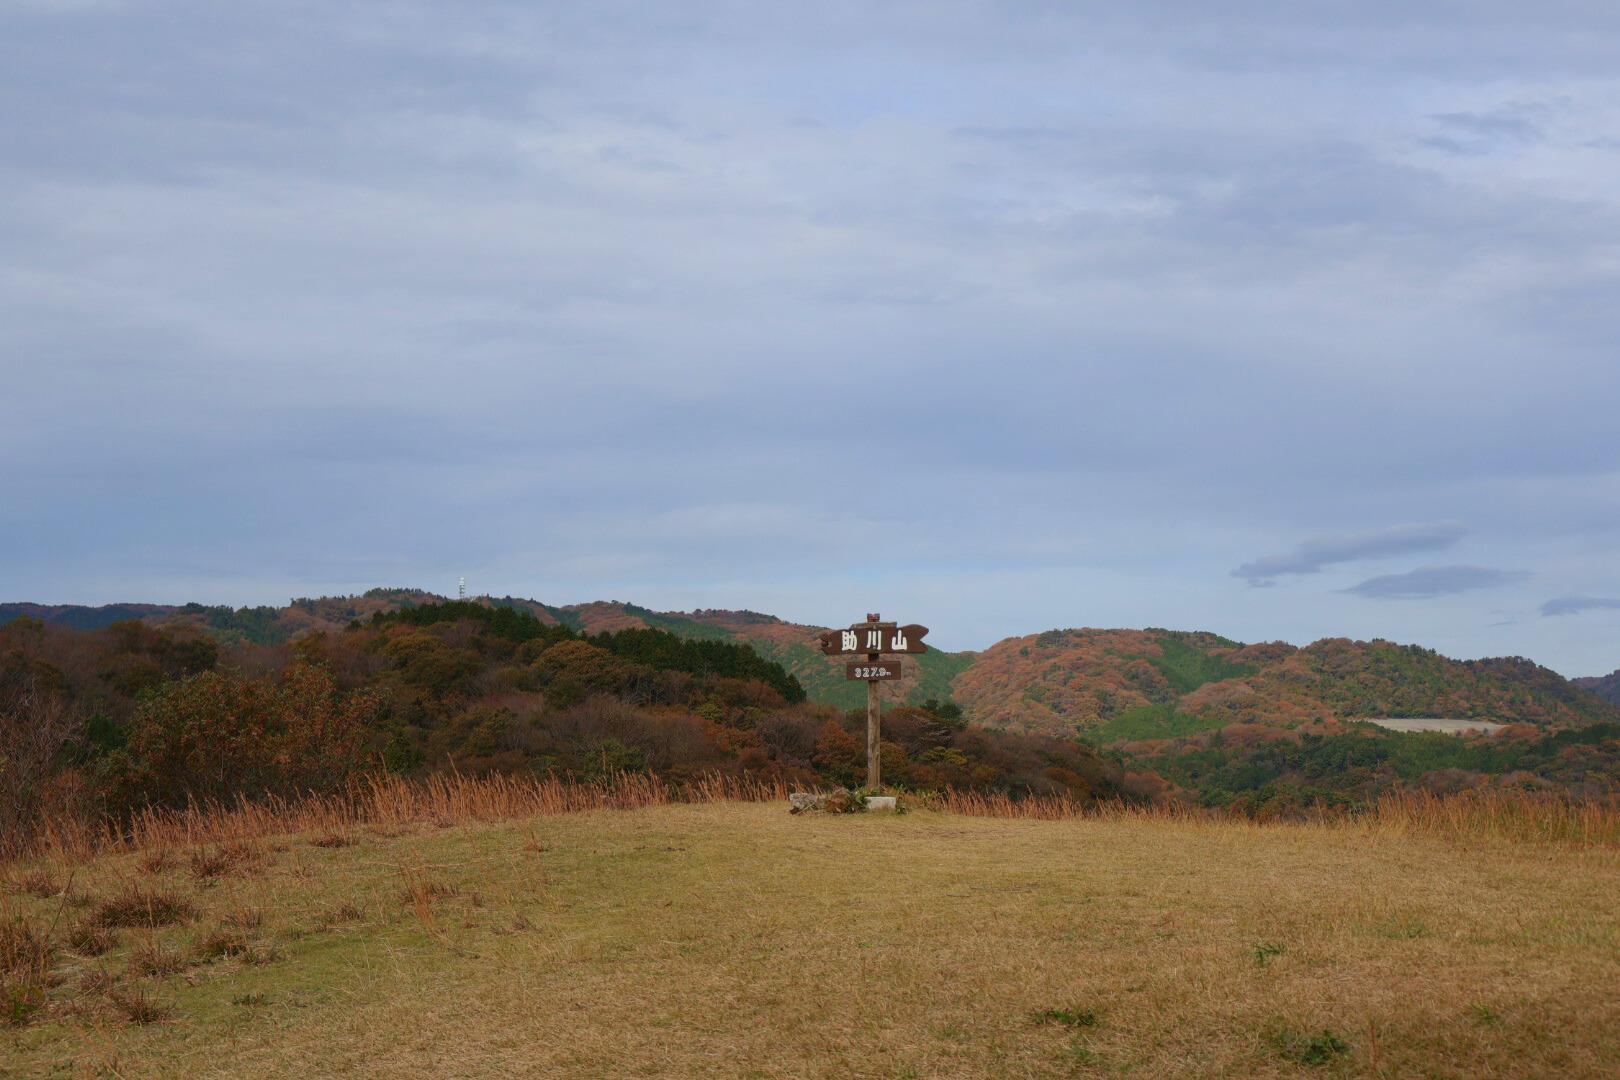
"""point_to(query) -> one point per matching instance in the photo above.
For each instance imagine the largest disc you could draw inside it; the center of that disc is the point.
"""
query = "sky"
(1285, 321)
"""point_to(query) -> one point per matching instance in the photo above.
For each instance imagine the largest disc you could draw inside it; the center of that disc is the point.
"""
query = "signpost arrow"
(875, 637)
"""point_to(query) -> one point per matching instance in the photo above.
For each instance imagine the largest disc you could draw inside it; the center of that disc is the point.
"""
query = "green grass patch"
(1305, 1048)
(1149, 722)
(1187, 667)
(1074, 1018)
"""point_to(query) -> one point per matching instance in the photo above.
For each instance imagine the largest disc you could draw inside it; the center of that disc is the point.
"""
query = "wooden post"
(873, 638)
(874, 748)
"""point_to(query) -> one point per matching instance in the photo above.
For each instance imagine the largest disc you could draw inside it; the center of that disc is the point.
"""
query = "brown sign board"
(874, 639)
(873, 671)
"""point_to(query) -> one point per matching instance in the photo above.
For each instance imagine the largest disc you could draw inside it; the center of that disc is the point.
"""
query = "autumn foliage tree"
(218, 736)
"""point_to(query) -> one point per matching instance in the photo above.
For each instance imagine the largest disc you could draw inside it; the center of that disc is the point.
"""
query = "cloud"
(1313, 556)
(717, 306)
(1509, 124)
(1429, 582)
(1574, 605)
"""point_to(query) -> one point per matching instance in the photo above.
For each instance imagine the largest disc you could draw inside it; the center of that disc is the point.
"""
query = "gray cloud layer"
(1313, 556)
(1429, 582)
(1575, 605)
(1015, 315)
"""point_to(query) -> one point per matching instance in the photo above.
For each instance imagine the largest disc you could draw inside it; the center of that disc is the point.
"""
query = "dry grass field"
(731, 939)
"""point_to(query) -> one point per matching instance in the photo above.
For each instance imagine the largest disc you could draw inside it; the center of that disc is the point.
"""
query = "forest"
(100, 720)
(100, 723)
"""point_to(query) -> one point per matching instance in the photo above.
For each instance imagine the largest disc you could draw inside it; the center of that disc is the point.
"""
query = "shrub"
(22, 994)
(36, 728)
(224, 943)
(36, 883)
(25, 962)
(88, 939)
(138, 1007)
(1307, 1049)
(244, 918)
(141, 907)
(156, 861)
(213, 862)
(154, 958)
(23, 947)
(217, 736)
(844, 802)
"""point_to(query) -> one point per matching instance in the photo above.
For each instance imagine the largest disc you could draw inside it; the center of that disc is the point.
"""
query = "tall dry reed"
(381, 800)
(384, 801)
(1497, 814)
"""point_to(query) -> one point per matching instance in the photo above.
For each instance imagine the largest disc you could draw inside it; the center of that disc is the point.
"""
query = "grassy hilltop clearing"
(730, 939)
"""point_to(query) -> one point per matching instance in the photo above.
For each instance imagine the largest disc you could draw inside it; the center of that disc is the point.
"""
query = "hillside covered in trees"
(1110, 685)
(1606, 687)
(153, 704)
(95, 724)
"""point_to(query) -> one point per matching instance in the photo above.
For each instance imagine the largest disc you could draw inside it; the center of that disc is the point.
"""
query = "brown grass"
(155, 861)
(223, 838)
(151, 957)
(39, 883)
(135, 906)
(731, 939)
(26, 952)
(24, 946)
(138, 1006)
(384, 804)
(88, 939)
(244, 918)
(223, 943)
(1500, 815)
(207, 863)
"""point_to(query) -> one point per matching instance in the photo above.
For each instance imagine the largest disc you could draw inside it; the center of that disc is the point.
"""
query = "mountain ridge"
(1606, 687)
(1104, 685)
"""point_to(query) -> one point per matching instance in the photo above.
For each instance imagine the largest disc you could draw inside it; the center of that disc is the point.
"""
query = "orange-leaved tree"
(217, 736)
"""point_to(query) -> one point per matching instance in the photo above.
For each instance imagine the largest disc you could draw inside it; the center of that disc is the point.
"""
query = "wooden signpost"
(874, 638)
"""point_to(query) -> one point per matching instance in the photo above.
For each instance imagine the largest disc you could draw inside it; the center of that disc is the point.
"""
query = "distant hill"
(1606, 687)
(928, 676)
(259, 625)
(1108, 686)
(1119, 685)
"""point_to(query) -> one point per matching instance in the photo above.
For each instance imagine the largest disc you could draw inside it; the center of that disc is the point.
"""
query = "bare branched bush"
(36, 726)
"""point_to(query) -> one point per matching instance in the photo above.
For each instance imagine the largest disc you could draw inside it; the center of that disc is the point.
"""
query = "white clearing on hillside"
(1450, 727)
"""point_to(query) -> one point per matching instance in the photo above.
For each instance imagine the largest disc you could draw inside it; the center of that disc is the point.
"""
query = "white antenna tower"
(461, 590)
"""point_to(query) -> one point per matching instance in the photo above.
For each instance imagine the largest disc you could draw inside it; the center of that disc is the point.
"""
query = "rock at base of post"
(881, 802)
